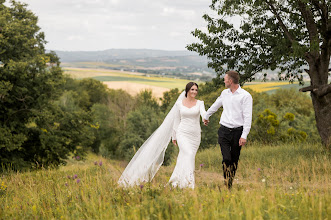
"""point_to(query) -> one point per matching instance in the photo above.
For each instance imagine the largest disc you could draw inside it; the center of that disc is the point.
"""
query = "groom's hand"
(205, 122)
(242, 141)
(174, 142)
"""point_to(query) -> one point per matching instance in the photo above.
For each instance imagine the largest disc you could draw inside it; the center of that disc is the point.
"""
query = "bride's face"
(193, 92)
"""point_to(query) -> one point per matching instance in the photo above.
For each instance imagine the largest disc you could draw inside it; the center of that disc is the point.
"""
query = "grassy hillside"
(279, 182)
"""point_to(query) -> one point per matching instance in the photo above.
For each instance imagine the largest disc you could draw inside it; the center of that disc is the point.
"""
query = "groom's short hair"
(234, 75)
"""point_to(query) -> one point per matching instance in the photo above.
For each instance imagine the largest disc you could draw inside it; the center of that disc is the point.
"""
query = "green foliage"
(140, 124)
(295, 123)
(168, 100)
(267, 128)
(35, 130)
(287, 36)
(96, 91)
(259, 42)
(284, 101)
(145, 98)
(58, 134)
(87, 92)
(107, 130)
(120, 102)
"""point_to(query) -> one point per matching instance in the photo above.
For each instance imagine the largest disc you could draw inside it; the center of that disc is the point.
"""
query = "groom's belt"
(232, 129)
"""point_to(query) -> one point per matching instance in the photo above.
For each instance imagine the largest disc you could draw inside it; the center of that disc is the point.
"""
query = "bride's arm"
(176, 123)
(202, 109)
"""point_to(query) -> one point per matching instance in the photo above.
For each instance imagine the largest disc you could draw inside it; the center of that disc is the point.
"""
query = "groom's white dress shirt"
(237, 109)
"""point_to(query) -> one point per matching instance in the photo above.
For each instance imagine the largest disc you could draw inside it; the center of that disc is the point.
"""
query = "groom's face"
(227, 81)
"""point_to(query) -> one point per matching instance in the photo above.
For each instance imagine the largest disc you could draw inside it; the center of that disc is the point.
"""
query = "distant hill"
(182, 64)
(117, 54)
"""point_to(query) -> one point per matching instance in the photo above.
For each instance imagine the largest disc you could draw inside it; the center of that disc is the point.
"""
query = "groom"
(235, 123)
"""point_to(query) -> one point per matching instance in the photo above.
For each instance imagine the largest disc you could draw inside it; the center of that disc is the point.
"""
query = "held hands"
(242, 141)
(205, 122)
(174, 142)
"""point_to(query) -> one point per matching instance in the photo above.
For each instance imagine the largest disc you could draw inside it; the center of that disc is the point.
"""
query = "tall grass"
(272, 182)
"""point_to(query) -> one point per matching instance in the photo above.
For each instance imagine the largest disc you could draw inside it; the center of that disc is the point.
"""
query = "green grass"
(272, 182)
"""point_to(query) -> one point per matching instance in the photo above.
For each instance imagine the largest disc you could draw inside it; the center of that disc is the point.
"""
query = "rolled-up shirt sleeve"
(217, 104)
(247, 113)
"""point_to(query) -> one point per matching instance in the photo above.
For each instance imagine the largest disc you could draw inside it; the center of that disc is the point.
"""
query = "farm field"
(134, 82)
(271, 87)
(272, 182)
(95, 65)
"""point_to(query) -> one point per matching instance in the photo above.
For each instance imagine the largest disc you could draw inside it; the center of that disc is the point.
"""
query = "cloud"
(104, 24)
(74, 38)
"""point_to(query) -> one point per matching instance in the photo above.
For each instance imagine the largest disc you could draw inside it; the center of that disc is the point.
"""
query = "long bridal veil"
(149, 158)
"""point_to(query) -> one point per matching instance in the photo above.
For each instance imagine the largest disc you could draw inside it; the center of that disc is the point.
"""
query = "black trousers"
(228, 138)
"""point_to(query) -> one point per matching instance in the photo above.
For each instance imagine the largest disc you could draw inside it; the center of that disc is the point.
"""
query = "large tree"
(34, 129)
(292, 36)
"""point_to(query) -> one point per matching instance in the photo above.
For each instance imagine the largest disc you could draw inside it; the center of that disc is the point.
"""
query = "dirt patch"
(135, 88)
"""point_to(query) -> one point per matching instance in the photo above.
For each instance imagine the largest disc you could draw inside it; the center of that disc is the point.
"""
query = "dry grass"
(135, 88)
(270, 184)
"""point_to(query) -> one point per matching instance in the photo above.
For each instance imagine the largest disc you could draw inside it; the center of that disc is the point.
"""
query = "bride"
(182, 124)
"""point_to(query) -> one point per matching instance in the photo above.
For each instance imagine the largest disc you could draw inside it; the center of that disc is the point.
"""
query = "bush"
(266, 128)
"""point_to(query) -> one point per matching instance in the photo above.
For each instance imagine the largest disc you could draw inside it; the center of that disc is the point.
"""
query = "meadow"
(134, 82)
(273, 182)
(271, 87)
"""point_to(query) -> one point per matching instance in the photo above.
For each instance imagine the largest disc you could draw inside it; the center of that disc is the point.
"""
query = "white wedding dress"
(187, 132)
(181, 123)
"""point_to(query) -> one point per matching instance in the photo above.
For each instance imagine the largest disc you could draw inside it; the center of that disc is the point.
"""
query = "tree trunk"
(321, 96)
(322, 107)
(320, 92)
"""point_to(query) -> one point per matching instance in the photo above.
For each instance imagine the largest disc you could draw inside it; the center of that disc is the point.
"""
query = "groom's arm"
(217, 104)
(247, 113)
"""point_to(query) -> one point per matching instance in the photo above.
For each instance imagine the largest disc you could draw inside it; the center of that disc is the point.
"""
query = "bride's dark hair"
(189, 86)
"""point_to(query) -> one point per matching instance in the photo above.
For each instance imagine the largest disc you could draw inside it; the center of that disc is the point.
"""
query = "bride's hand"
(174, 142)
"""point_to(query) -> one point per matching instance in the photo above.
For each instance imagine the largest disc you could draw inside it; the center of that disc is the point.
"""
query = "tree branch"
(306, 89)
(318, 90)
(307, 70)
(310, 22)
(323, 11)
(281, 23)
(318, 6)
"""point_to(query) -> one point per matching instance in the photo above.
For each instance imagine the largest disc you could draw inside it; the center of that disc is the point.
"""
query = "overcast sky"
(73, 25)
